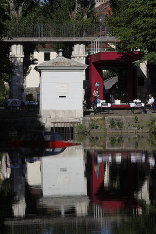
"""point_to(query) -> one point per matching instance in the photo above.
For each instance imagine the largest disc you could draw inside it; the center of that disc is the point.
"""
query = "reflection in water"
(53, 192)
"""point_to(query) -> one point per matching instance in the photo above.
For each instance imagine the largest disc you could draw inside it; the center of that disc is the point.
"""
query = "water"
(97, 187)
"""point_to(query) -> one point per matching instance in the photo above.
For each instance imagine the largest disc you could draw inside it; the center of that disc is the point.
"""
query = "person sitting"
(150, 103)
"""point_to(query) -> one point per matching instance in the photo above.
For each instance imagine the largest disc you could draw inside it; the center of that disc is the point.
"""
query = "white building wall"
(32, 80)
(99, 2)
(63, 175)
(61, 92)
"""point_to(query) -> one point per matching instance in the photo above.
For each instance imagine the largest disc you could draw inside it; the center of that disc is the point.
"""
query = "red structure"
(98, 62)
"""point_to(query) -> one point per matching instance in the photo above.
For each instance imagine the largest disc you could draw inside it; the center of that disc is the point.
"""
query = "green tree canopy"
(27, 11)
(134, 23)
(4, 16)
(66, 10)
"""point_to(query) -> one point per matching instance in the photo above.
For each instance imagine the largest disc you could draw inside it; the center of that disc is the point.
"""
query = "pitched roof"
(61, 62)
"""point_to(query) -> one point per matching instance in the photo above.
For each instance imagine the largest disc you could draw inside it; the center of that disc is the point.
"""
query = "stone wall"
(119, 123)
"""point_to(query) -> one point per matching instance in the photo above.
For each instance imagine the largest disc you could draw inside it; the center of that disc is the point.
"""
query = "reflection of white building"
(143, 193)
(34, 173)
(78, 204)
(63, 175)
(64, 185)
(18, 175)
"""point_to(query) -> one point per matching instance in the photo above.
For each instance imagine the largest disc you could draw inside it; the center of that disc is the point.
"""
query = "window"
(46, 56)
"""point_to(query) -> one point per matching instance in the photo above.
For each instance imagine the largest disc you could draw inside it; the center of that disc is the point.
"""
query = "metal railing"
(99, 45)
(53, 30)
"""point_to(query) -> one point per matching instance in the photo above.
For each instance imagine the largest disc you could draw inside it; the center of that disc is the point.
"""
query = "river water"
(100, 186)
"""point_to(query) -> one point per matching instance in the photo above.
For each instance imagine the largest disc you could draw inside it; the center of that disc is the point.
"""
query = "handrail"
(53, 30)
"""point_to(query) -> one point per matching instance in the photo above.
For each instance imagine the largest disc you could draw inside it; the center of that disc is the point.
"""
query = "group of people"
(150, 103)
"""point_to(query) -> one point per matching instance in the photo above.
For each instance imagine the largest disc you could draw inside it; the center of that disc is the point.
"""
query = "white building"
(99, 2)
(32, 79)
(61, 90)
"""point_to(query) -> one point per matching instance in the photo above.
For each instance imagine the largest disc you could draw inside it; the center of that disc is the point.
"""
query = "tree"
(4, 16)
(5, 67)
(133, 22)
(25, 10)
(66, 10)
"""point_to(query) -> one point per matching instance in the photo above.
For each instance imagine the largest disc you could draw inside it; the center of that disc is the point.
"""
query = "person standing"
(96, 94)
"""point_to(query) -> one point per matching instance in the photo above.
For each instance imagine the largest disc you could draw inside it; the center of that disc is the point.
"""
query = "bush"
(80, 128)
(151, 124)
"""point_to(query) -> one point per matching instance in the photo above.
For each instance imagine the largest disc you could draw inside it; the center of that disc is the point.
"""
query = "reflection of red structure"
(111, 200)
(98, 61)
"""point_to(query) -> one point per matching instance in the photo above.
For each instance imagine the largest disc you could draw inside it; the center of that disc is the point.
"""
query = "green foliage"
(116, 140)
(80, 128)
(93, 125)
(2, 91)
(4, 49)
(152, 140)
(4, 16)
(112, 123)
(136, 119)
(93, 140)
(61, 11)
(133, 22)
(120, 124)
(151, 124)
(25, 11)
(116, 123)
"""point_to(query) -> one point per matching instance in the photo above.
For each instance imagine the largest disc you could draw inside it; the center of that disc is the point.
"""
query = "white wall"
(61, 83)
(63, 175)
(32, 80)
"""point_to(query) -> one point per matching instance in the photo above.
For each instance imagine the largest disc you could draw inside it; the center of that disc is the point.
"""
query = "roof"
(103, 9)
(61, 62)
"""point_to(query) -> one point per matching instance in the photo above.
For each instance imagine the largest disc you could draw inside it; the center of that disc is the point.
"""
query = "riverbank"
(116, 122)
(120, 121)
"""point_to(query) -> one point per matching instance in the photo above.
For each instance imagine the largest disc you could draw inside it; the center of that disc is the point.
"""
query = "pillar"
(130, 81)
(95, 75)
(143, 83)
(17, 55)
(79, 54)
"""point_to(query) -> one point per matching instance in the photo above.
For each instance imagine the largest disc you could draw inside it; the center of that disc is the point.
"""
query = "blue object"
(97, 84)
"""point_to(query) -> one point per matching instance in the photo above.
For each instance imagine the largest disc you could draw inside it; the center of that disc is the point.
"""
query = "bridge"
(58, 33)
(80, 35)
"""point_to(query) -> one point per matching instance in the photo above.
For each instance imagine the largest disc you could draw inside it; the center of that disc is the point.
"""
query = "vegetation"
(80, 128)
(21, 13)
(5, 66)
(140, 224)
(151, 124)
(133, 22)
(116, 123)
(61, 11)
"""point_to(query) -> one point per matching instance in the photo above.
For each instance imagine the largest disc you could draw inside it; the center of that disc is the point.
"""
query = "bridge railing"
(68, 30)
